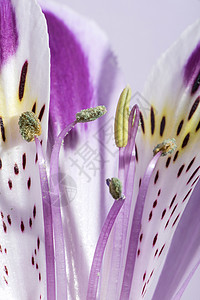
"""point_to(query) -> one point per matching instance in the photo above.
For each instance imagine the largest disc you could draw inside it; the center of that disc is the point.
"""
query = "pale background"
(139, 31)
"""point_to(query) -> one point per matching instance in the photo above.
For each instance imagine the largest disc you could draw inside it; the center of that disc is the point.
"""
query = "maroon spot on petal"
(143, 290)
(34, 211)
(168, 161)
(40, 277)
(5, 280)
(9, 219)
(195, 181)
(138, 252)
(5, 250)
(140, 181)
(156, 177)
(150, 215)
(0, 164)
(196, 84)
(141, 236)
(194, 108)
(156, 252)
(179, 127)
(136, 153)
(38, 243)
(155, 203)
(40, 297)
(6, 270)
(172, 202)
(30, 222)
(36, 266)
(4, 227)
(142, 122)
(16, 169)
(23, 80)
(187, 195)
(22, 226)
(193, 174)
(152, 120)
(41, 142)
(32, 260)
(1, 249)
(198, 126)
(2, 129)
(155, 239)
(180, 170)
(175, 220)
(29, 183)
(24, 161)
(10, 184)
(159, 192)
(167, 224)
(35, 252)
(175, 156)
(173, 210)
(2, 215)
(162, 126)
(186, 140)
(144, 276)
(190, 164)
(161, 250)
(163, 213)
(41, 113)
(36, 158)
(34, 107)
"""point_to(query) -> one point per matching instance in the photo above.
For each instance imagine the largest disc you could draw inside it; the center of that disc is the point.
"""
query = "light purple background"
(139, 31)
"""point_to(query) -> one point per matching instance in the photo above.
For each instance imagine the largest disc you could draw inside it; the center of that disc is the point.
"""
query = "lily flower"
(52, 217)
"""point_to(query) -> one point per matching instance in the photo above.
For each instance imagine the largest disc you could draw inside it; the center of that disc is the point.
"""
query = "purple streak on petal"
(8, 31)
(71, 90)
(48, 230)
(100, 248)
(135, 229)
(61, 276)
(192, 66)
(186, 282)
(126, 175)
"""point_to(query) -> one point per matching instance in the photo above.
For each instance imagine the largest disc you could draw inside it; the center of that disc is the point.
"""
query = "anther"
(121, 118)
(29, 126)
(115, 187)
(166, 147)
(90, 114)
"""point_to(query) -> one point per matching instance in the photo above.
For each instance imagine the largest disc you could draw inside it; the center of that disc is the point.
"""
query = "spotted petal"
(24, 86)
(173, 97)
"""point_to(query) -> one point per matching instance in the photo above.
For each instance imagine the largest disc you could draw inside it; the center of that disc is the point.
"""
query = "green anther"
(115, 187)
(29, 126)
(90, 114)
(166, 147)
(121, 118)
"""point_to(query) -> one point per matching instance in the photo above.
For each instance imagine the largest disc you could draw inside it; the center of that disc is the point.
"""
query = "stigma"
(121, 118)
(166, 147)
(29, 126)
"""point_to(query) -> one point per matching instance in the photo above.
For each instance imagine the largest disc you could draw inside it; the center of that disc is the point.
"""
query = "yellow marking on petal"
(121, 118)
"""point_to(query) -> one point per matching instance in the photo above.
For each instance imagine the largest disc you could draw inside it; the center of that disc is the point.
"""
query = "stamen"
(166, 147)
(121, 118)
(90, 114)
(115, 187)
(29, 126)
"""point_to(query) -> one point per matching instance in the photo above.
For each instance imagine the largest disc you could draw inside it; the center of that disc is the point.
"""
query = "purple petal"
(8, 31)
(71, 90)
(192, 67)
